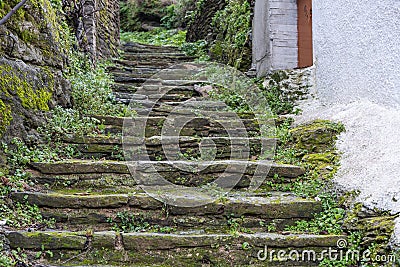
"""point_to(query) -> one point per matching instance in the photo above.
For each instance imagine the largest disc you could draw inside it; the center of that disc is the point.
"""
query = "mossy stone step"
(185, 123)
(138, 48)
(177, 148)
(188, 173)
(186, 90)
(76, 204)
(127, 97)
(99, 220)
(155, 62)
(129, 249)
(158, 56)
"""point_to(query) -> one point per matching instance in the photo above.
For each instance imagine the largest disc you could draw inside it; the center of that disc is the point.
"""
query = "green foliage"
(164, 37)
(234, 101)
(179, 15)
(69, 121)
(133, 12)
(277, 100)
(233, 27)
(170, 19)
(13, 258)
(157, 36)
(198, 49)
(92, 89)
(127, 222)
(328, 221)
(22, 215)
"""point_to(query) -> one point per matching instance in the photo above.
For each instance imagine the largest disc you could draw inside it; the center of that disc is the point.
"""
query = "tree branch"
(3, 20)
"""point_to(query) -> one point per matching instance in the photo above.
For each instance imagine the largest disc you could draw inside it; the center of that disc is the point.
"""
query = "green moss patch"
(34, 90)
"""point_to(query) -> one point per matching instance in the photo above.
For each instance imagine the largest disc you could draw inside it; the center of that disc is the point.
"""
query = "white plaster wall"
(357, 50)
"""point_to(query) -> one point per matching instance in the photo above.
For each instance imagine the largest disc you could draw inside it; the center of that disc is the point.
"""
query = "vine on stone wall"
(233, 28)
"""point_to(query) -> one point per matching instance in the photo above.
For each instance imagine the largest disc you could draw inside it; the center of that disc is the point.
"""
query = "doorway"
(304, 29)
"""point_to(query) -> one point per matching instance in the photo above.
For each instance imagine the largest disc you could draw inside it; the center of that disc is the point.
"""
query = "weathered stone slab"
(60, 200)
(48, 240)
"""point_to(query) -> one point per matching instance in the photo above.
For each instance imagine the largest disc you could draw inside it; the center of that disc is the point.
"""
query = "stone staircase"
(92, 198)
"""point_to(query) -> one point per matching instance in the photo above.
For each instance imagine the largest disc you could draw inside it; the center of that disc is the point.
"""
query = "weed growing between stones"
(128, 222)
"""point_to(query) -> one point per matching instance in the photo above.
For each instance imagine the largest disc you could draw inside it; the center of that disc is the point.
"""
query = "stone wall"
(201, 27)
(100, 28)
(32, 57)
(108, 26)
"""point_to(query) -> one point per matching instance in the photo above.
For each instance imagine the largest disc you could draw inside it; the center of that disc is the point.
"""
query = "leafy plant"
(69, 121)
(92, 89)
(127, 222)
(328, 221)
(13, 257)
(157, 36)
(179, 15)
(23, 215)
(233, 27)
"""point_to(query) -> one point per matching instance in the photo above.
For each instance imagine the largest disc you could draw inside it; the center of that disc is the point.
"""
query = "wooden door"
(304, 28)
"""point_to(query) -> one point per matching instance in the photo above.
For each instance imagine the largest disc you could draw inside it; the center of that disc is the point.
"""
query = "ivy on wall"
(232, 27)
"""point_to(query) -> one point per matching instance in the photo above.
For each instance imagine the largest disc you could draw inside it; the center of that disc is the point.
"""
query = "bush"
(232, 26)
(92, 88)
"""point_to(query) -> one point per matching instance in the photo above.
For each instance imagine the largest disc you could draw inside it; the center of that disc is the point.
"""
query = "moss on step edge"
(318, 136)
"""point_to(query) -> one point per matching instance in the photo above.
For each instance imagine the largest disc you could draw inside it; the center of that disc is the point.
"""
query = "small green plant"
(13, 258)
(270, 227)
(22, 215)
(235, 102)
(233, 27)
(43, 253)
(92, 88)
(234, 225)
(128, 222)
(69, 121)
(329, 221)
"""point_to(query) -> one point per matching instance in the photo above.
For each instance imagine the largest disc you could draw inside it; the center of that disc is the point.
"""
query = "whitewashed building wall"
(357, 50)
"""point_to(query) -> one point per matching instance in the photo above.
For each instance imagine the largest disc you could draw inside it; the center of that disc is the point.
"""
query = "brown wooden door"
(304, 27)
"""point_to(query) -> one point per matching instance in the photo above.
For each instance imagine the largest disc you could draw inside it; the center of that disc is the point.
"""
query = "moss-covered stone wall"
(32, 58)
(108, 25)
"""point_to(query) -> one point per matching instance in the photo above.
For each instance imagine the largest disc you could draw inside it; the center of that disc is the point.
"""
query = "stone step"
(177, 249)
(276, 205)
(183, 123)
(105, 173)
(139, 48)
(187, 103)
(154, 63)
(128, 97)
(158, 57)
(177, 72)
(186, 90)
(157, 147)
